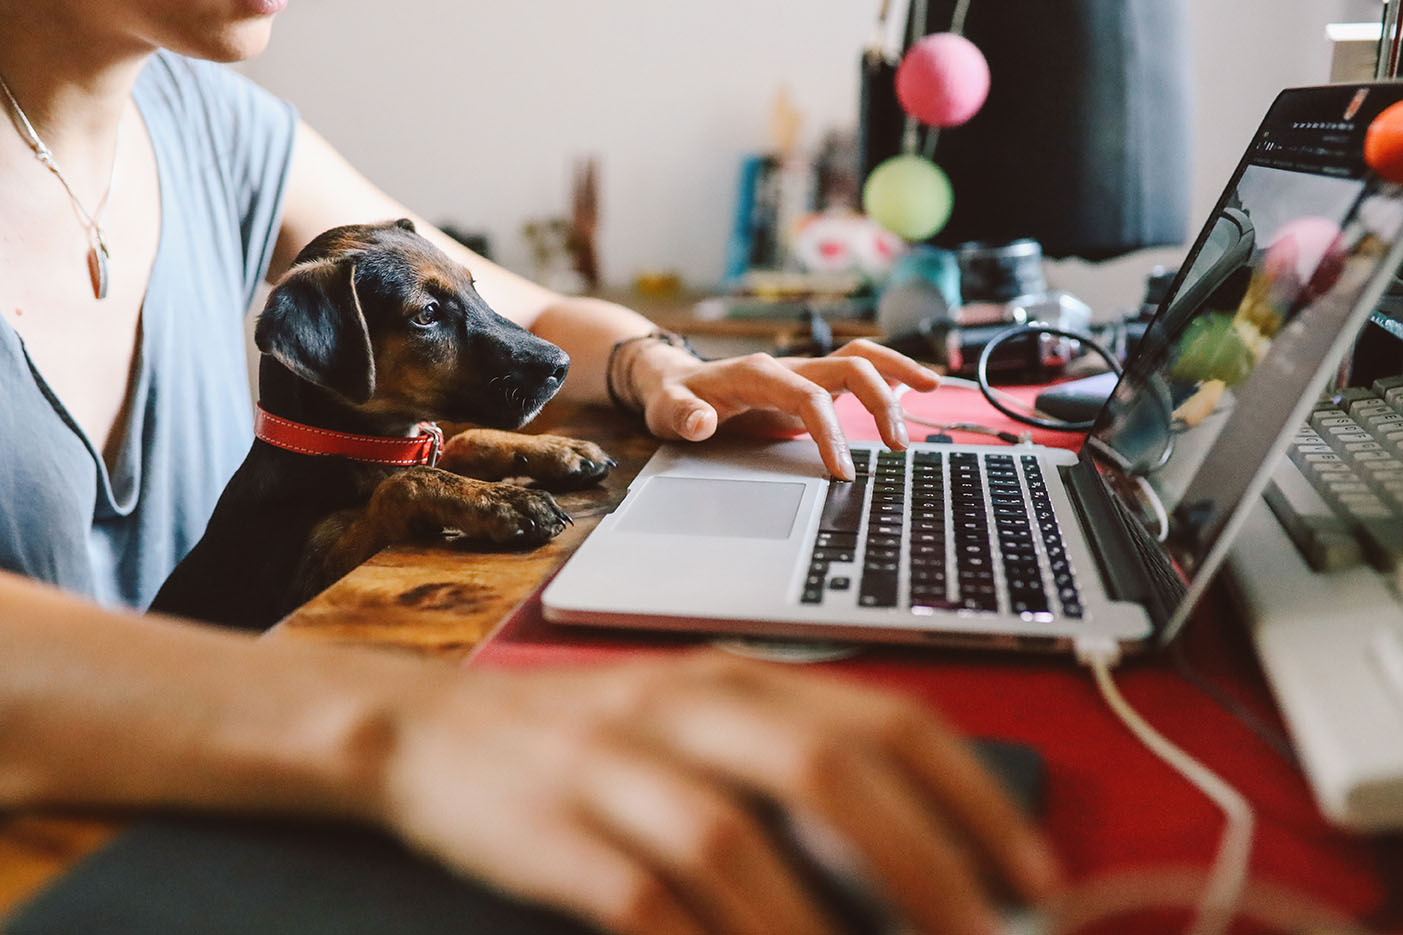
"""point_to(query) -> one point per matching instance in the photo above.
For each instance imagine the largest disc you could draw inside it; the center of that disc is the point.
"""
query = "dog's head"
(390, 324)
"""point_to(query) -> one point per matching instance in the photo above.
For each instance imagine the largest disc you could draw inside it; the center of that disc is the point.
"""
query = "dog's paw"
(562, 463)
(553, 461)
(513, 516)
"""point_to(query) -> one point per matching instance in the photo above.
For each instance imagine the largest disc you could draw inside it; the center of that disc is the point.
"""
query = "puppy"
(372, 332)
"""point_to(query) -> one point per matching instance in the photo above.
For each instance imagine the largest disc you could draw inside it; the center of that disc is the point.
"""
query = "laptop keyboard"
(943, 531)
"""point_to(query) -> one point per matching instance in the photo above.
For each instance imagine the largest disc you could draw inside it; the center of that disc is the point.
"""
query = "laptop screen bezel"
(1168, 616)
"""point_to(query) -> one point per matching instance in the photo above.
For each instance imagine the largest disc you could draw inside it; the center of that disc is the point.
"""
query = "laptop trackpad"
(698, 506)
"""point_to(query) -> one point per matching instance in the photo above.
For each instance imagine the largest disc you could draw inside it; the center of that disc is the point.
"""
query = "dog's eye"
(427, 315)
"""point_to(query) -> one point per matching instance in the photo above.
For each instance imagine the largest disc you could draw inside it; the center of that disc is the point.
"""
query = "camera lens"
(1000, 272)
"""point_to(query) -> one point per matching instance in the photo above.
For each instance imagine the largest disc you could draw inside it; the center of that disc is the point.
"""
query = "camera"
(1000, 286)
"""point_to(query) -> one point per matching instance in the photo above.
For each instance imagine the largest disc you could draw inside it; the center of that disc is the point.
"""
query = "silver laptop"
(1022, 546)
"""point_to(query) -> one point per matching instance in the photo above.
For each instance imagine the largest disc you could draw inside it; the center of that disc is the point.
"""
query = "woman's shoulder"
(223, 147)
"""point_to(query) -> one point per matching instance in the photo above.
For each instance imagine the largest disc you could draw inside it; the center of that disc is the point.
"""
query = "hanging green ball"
(909, 196)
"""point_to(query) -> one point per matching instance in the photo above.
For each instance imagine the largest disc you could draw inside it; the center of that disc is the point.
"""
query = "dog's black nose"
(547, 371)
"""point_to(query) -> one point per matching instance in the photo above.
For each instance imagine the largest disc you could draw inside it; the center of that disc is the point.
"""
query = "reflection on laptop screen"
(1294, 245)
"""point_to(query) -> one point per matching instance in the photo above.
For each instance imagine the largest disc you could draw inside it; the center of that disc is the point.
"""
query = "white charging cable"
(1226, 883)
(1146, 489)
(1227, 879)
(1004, 396)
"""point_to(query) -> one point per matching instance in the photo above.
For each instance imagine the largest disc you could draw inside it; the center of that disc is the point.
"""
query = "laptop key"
(836, 540)
(1029, 606)
(842, 511)
(1065, 582)
(878, 589)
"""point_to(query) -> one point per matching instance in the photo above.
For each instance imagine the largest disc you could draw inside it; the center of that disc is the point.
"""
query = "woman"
(142, 195)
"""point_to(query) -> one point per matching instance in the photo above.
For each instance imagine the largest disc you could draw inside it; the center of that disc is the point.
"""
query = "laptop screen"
(1301, 237)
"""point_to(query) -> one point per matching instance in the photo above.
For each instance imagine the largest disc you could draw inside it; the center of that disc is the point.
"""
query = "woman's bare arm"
(112, 708)
(621, 793)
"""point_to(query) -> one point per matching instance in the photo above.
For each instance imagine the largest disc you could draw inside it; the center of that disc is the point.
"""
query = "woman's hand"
(688, 399)
(625, 794)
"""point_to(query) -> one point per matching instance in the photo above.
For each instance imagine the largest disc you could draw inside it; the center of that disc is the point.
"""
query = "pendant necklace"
(92, 223)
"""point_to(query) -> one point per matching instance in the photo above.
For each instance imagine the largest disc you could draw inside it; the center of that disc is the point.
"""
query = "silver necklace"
(92, 223)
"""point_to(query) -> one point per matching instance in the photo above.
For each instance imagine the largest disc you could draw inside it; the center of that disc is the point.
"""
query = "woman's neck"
(72, 84)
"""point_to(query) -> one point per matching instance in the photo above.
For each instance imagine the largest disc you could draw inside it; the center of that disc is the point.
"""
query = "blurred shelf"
(695, 315)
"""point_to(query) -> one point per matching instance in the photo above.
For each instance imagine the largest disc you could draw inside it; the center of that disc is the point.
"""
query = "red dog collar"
(375, 449)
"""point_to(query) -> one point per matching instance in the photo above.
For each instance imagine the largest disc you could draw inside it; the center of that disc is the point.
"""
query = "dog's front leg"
(423, 501)
(555, 461)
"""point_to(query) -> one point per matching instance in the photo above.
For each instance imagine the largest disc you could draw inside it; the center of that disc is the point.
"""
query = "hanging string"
(911, 131)
(957, 22)
(957, 26)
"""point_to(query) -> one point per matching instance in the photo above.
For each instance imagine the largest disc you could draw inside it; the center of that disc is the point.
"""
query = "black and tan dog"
(373, 331)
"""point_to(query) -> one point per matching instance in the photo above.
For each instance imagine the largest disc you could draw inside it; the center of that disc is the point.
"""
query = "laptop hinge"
(1110, 541)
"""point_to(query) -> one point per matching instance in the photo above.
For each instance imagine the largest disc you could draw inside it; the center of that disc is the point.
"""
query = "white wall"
(474, 110)
(1243, 53)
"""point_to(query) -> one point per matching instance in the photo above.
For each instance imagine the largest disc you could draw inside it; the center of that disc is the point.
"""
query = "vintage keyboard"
(1318, 569)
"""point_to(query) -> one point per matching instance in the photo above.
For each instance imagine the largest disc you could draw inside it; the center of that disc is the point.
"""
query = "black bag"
(1083, 142)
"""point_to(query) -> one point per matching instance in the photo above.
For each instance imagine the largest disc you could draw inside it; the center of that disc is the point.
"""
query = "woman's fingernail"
(845, 462)
(901, 434)
(692, 425)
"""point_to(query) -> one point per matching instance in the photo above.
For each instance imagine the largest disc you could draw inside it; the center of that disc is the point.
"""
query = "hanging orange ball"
(1383, 143)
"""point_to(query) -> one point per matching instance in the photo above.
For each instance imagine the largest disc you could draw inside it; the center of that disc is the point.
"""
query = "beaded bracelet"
(616, 359)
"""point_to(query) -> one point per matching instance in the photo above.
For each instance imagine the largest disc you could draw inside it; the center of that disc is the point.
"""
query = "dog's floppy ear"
(314, 326)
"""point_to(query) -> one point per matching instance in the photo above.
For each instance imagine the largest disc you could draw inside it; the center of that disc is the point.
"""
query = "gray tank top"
(222, 146)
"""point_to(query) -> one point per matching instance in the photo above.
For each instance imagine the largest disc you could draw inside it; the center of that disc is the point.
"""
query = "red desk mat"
(1111, 805)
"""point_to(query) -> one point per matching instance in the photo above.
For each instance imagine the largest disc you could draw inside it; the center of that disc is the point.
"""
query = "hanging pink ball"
(943, 80)
(1306, 254)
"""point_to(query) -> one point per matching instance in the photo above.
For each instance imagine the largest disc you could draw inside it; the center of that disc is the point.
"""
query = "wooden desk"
(441, 600)
(445, 598)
